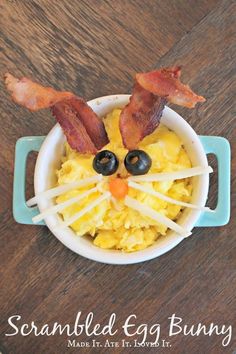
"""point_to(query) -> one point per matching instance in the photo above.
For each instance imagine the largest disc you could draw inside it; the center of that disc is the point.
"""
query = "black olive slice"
(105, 162)
(137, 162)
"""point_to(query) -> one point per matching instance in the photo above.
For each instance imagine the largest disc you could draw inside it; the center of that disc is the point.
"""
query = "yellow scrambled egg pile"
(113, 225)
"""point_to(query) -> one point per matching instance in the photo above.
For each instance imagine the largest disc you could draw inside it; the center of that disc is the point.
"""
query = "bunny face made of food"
(127, 165)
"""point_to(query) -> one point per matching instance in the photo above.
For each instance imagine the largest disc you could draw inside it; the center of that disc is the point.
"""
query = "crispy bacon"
(150, 94)
(32, 95)
(141, 116)
(84, 130)
(165, 83)
(75, 131)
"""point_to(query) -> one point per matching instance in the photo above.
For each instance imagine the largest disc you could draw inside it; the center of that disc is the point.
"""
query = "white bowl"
(49, 159)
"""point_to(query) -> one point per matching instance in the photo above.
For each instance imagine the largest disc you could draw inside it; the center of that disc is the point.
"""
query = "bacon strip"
(140, 117)
(150, 94)
(84, 130)
(32, 95)
(92, 123)
(165, 83)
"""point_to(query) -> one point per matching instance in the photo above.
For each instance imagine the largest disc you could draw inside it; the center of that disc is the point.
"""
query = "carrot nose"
(118, 188)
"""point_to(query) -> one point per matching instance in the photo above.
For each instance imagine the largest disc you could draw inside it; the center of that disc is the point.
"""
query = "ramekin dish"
(51, 149)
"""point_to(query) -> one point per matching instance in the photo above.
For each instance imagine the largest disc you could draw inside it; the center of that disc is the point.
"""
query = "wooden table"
(93, 48)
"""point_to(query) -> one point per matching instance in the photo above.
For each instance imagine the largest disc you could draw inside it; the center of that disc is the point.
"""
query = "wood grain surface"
(93, 48)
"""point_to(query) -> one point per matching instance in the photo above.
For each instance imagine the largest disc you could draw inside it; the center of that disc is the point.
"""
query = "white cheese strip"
(53, 192)
(56, 208)
(116, 204)
(165, 197)
(153, 214)
(85, 210)
(168, 176)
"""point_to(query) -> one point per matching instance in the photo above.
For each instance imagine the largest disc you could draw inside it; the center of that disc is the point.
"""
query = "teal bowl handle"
(23, 214)
(212, 144)
(221, 149)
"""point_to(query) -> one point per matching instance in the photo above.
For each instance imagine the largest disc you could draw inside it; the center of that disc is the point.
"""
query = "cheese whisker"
(53, 192)
(153, 214)
(85, 210)
(59, 207)
(165, 197)
(169, 176)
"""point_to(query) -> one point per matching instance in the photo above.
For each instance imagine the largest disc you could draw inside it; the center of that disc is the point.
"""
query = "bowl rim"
(78, 244)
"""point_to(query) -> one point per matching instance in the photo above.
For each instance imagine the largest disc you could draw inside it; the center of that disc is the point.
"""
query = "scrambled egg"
(112, 224)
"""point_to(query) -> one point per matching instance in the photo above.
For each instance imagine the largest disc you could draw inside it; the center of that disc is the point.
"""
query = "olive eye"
(137, 162)
(105, 162)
